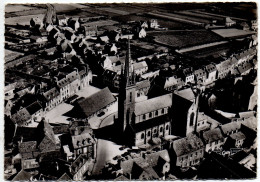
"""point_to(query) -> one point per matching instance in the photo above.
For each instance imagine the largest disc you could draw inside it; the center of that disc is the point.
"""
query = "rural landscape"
(130, 91)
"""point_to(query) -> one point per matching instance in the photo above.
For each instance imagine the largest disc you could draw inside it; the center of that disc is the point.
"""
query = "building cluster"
(173, 121)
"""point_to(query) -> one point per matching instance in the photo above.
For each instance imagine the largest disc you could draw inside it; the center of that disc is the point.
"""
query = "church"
(145, 121)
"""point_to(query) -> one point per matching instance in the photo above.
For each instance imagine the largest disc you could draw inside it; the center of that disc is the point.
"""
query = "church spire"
(129, 71)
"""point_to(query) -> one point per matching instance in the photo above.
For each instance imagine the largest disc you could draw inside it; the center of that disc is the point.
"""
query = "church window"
(144, 116)
(167, 127)
(191, 119)
(161, 129)
(142, 136)
(130, 96)
(149, 133)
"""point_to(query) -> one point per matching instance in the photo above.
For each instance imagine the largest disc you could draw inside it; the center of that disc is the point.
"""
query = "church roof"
(153, 104)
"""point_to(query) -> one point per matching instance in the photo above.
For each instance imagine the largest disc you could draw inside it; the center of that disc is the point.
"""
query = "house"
(213, 140)
(74, 24)
(85, 76)
(235, 140)
(95, 104)
(80, 166)
(172, 83)
(229, 22)
(184, 112)
(36, 22)
(145, 166)
(154, 24)
(62, 20)
(244, 26)
(111, 79)
(187, 152)
(143, 24)
(254, 25)
(142, 88)
(29, 154)
(84, 143)
(211, 73)
(140, 67)
(52, 98)
(23, 176)
(46, 140)
(231, 128)
(200, 76)
(90, 30)
(187, 75)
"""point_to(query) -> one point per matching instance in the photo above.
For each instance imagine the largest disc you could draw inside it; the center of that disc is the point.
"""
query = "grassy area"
(22, 20)
(181, 39)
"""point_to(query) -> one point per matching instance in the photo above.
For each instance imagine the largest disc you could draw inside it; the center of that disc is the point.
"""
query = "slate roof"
(153, 104)
(186, 93)
(147, 163)
(238, 136)
(230, 127)
(65, 177)
(97, 101)
(143, 84)
(29, 146)
(212, 135)
(21, 116)
(33, 108)
(140, 65)
(83, 139)
(51, 94)
(187, 145)
(22, 176)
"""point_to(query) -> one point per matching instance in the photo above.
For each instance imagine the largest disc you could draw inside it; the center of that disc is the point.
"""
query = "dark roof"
(21, 116)
(230, 127)
(29, 146)
(153, 104)
(97, 101)
(150, 160)
(187, 145)
(22, 176)
(212, 135)
(33, 108)
(50, 94)
(121, 178)
(238, 136)
(45, 129)
(142, 84)
(65, 177)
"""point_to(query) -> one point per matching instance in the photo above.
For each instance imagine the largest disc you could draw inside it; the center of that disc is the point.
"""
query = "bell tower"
(126, 98)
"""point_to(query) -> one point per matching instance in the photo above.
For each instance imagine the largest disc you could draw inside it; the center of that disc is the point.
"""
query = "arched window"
(156, 113)
(148, 133)
(142, 136)
(155, 131)
(144, 116)
(191, 119)
(167, 127)
(150, 115)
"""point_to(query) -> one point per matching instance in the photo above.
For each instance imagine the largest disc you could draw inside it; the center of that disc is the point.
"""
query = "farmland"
(181, 39)
(22, 20)
(215, 51)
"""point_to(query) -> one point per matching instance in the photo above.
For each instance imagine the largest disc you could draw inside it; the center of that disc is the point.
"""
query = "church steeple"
(126, 98)
(129, 70)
